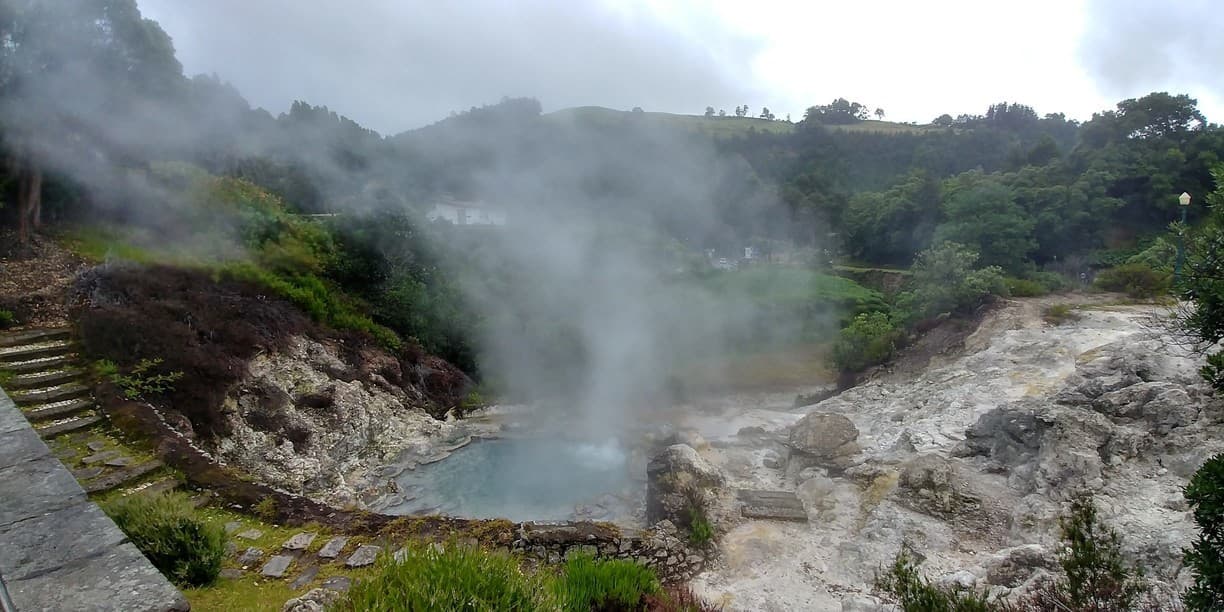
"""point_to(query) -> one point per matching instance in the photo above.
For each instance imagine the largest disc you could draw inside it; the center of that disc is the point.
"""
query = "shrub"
(1023, 287)
(1050, 281)
(870, 339)
(7, 318)
(607, 584)
(915, 593)
(430, 577)
(167, 529)
(945, 281)
(1095, 577)
(1135, 279)
(1059, 314)
(1206, 556)
(141, 383)
(1213, 371)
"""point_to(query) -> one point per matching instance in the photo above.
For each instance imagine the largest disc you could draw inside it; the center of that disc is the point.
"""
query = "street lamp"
(1184, 200)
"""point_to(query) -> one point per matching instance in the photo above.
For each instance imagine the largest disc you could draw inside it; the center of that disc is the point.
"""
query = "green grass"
(182, 544)
(796, 287)
(589, 584)
(718, 127)
(884, 127)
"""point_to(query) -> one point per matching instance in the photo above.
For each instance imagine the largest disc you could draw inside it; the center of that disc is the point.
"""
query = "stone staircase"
(41, 371)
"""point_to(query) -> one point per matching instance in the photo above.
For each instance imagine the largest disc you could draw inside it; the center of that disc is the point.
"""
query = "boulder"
(315, 600)
(672, 478)
(930, 484)
(1012, 567)
(824, 435)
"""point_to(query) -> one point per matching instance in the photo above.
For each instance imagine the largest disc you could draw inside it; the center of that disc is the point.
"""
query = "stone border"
(58, 550)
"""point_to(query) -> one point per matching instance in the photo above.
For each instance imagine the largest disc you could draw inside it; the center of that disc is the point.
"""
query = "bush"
(945, 281)
(1023, 287)
(590, 584)
(1135, 279)
(1206, 556)
(1059, 314)
(870, 339)
(1050, 281)
(1213, 371)
(915, 593)
(1096, 577)
(167, 529)
(429, 577)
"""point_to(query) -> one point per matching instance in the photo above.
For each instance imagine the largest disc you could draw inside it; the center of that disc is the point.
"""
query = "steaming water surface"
(525, 479)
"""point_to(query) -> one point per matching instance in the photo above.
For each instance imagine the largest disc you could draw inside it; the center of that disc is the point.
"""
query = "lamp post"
(1184, 201)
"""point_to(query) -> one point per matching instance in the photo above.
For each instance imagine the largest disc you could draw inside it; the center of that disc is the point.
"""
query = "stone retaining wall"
(58, 551)
(659, 547)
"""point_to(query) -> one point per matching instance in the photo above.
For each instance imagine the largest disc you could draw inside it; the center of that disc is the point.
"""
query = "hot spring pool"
(525, 479)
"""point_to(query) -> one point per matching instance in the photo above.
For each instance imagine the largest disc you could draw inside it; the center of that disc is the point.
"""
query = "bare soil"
(34, 280)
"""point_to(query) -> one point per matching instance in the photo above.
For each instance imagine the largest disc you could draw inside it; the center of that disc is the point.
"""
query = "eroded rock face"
(930, 484)
(824, 436)
(305, 420)
(671, 477)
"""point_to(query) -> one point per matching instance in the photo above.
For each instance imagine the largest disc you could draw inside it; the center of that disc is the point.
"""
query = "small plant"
(1059, 314)
(915, 593)
(7, 318)
(606, 584)
(168, 530)
(701, 532)
(266, 509)
(1206, 556)
(105, 369)
(1213, 372)
(429, 577)
(140, 383)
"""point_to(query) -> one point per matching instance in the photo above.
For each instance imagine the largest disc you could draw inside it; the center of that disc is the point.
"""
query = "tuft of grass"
(1059, 314)
(7, 318)
(590, 584)
(431, 577)
(266, 509)
(180, 543)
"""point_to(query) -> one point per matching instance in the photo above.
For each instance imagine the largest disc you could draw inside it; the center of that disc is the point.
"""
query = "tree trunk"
(29, 199)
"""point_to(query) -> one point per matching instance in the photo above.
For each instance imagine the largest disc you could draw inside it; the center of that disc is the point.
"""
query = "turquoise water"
(524, 479)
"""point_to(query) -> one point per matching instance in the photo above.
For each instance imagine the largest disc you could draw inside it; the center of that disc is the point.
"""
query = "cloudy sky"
(399, 64)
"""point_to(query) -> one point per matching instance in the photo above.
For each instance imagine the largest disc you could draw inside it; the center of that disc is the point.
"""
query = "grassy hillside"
(722, 127)
(719, 127)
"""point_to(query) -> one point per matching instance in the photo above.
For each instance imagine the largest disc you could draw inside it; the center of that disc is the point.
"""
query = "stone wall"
(58, 551)
(660, 547)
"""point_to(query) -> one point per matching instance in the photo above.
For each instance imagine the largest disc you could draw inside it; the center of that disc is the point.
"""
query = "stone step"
(50, 394)
(58, 410)
(74, 424)
(126, 476)
(38, 364)
(43, 379)
(156, 487)
(772, 505)
(31, 336)
(31, 351)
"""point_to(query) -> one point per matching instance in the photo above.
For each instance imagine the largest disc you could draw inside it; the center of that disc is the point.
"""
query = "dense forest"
(106, 139)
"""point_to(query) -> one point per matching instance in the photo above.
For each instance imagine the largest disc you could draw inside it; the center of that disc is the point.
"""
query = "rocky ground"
(968, 462)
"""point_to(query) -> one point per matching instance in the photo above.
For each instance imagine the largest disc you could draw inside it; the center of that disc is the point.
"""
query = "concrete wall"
(58, 551)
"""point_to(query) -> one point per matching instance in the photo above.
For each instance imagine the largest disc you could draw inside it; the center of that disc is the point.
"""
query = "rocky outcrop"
(306, 420)
(677, 478)
(824, 436)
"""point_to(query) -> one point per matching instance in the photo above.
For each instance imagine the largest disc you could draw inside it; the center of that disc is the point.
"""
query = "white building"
(465, 213)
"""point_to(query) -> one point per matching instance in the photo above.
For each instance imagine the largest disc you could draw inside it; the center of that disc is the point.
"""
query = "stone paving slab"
(250, 557)
(56, 539)
(276, 566)
(299, 542)
(772, 505)
(250, 534)
(305, 578)
(332, 548)
(36, 487)
(21, 445)
(365, 555)
(121, 579)
(10, 417)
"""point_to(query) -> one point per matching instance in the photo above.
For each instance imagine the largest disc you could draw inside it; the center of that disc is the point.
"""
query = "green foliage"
(266, 509)
(105, 369)
(170, 533)
(1213, 370)
(983, 215)
(7, 318)
(916, 594)
(429, 577)
(588, 584)
(1096, 578)
(1205, 493)
(1023, 287)
(701, 531)
(870, 339)
(1135, 279)
(1058, 314)
(141, 382)
(945, 281)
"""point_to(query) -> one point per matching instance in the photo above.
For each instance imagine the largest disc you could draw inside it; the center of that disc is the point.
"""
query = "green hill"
(715, 126)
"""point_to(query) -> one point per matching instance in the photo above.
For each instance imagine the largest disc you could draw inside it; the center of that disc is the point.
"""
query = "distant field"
(720, 127)
(723, 127)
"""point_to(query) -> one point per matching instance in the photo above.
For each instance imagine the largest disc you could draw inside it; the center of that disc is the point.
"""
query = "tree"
(945, 280)
(983, 215)
(740, 111)
(722, 112)
(1205, 494)
(638, 109)
(944, 120)
(1203, 282)
(879, 114)
(709, 112)
(765, 114)
(838, 112)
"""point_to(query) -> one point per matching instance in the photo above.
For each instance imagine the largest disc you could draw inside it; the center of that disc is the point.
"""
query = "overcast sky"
(398, 64)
